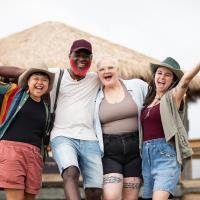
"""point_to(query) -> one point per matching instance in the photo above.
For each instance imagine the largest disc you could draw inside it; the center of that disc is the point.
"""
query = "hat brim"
(84, 48)
(23, 79)
(177, 72)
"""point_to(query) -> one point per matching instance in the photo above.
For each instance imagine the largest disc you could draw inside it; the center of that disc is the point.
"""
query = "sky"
(157, 28)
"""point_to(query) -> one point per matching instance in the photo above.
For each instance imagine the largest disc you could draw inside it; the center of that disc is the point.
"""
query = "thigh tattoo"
(135, 186)
(112, 179)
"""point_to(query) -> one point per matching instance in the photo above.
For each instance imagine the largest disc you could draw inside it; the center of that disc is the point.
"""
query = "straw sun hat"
(23, 79)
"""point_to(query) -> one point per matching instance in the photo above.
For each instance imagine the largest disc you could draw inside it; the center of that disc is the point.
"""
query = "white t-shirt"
(75, 106)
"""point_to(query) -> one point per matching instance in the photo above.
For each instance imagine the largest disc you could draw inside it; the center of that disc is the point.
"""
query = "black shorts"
(121, 154)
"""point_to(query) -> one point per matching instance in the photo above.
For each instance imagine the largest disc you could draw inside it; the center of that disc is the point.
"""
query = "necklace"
(154, 103)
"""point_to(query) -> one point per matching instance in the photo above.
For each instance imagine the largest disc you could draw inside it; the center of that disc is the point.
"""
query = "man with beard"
(75, 146)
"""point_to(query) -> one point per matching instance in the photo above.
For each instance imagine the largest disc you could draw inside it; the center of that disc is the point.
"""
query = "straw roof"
(50, 42)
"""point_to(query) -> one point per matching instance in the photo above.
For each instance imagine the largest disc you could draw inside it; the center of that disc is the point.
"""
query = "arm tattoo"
(132, 186)
(111, 179)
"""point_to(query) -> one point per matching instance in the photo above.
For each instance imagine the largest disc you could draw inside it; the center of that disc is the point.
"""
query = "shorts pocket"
(167, 150)
(3, 156)
(93, 147)
(112, 146)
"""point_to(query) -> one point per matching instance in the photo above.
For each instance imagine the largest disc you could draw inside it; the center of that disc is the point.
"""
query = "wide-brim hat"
(169, 63)
(23, 79)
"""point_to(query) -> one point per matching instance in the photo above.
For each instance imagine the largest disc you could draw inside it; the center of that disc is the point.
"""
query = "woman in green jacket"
(165, 142)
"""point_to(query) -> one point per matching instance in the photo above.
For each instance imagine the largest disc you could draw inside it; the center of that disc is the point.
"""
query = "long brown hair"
(151, 93)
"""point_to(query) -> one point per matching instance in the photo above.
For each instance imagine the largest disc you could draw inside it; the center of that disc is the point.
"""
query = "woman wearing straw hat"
(117, 116)
(164, 137)
(23, 120)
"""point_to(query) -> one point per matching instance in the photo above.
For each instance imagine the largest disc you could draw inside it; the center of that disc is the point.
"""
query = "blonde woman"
(118, 107)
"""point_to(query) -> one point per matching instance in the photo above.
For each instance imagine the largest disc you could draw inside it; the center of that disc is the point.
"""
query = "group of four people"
(103, 127)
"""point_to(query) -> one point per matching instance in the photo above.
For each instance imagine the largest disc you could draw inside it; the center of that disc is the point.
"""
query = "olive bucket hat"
(42, 68)
(169, 63)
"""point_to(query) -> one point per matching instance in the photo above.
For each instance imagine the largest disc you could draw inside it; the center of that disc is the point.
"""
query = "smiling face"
(80, 62)
(38, 84)
(164, 78)
(107, 72)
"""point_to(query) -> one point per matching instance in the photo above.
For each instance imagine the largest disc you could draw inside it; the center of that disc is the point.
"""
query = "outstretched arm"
(11, 72)
(183, 84)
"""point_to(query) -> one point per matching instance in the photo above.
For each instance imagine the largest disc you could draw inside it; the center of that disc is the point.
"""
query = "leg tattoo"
(132, 186)
(112, 179)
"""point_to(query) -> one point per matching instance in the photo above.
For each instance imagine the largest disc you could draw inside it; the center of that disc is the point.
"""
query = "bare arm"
(183, 84)
(11, 72)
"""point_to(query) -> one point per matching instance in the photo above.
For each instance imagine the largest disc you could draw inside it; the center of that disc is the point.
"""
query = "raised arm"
(11, 72)
(183, 84)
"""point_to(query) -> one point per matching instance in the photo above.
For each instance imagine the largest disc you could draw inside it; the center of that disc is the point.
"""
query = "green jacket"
(174, 127)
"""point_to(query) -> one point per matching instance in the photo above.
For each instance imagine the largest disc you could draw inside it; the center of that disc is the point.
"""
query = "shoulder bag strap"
(58, 88)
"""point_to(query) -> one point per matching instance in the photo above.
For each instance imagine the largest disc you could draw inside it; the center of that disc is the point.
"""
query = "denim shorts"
(84, 154)
(160, 168)
(121, 154)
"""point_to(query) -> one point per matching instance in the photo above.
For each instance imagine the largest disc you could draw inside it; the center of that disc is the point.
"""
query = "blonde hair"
(108, 61)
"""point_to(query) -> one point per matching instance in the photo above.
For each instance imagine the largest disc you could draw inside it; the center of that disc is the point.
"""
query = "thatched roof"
(50, 42)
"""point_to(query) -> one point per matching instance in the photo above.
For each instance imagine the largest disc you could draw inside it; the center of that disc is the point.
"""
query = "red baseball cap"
(81, 44)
